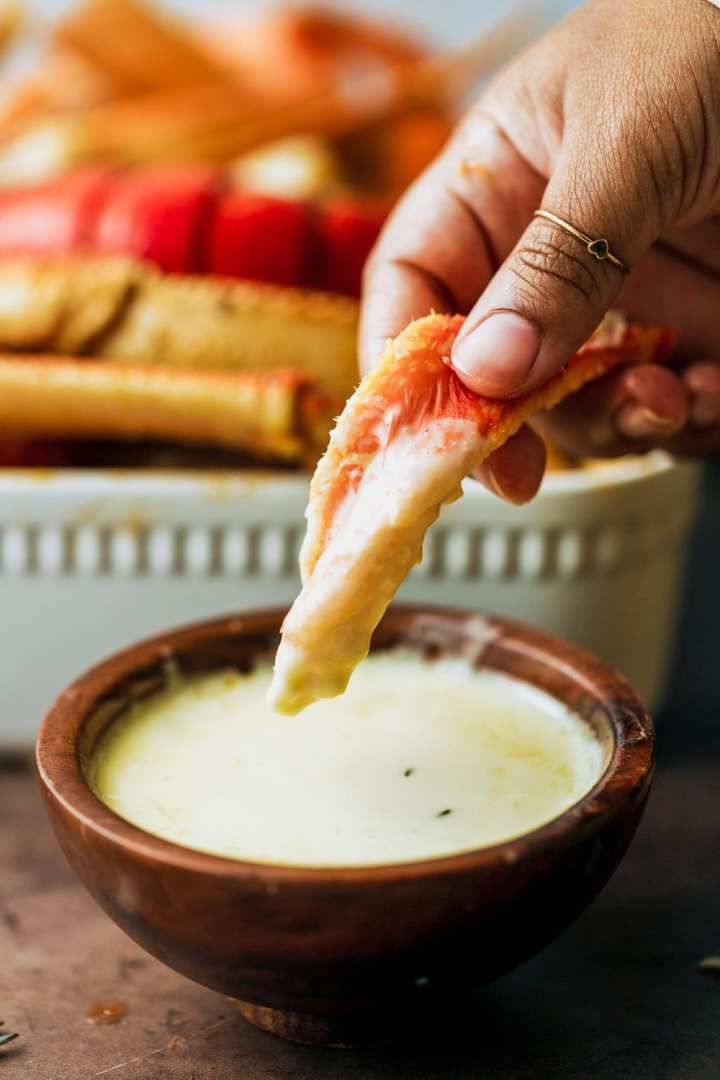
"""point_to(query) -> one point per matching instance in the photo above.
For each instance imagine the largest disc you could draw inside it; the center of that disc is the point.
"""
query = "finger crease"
(691, 261)
(479, 227)
(446, 297)
(548, 248)
(531, 265)
(504, 136)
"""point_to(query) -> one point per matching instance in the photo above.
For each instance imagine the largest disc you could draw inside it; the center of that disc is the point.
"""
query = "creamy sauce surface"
(418, 759)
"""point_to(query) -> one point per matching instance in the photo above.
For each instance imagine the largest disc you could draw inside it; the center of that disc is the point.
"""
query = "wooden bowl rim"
(628, 771)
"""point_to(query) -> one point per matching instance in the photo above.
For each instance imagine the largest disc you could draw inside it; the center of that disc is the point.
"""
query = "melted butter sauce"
(417, 760)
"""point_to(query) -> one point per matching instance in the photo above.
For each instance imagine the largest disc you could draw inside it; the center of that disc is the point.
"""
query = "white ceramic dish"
(90, 561)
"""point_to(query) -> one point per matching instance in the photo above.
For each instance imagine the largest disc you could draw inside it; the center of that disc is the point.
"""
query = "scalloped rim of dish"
(223, 483)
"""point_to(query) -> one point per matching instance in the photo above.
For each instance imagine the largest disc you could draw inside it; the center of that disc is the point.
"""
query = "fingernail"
(497, 356)
(636, 421)
(515, 493)
(495, 484)
(705, 410)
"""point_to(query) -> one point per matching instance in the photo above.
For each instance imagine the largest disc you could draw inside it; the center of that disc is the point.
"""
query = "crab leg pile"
(277, 415)
(405, 441)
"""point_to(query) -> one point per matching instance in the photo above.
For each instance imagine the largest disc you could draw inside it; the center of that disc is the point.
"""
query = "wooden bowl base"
(340, 1032)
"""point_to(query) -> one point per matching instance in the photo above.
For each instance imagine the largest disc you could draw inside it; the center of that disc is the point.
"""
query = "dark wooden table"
(618, 996)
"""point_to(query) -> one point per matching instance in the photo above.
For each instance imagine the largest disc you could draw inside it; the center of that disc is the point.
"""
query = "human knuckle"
(664, 138)
(369, 269)
(374, 264)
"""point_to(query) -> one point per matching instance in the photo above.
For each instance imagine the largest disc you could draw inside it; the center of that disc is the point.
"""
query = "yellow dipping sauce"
(418, 759)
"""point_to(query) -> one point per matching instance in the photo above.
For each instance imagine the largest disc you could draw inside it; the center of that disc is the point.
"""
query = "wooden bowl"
(334, 956)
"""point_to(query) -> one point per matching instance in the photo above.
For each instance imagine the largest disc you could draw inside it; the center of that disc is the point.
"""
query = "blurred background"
(180, 136)
(70, 56)
(431, 19)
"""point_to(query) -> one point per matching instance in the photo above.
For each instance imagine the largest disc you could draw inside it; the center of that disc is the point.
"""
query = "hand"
(611, 121)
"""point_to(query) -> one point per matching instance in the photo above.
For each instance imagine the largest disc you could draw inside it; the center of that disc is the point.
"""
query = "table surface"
(618, 996)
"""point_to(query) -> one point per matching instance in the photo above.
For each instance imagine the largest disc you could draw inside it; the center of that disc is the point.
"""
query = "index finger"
(448, 234)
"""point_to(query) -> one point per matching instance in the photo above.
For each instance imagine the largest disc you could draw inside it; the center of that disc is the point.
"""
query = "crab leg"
(406, 440)
(273, 415)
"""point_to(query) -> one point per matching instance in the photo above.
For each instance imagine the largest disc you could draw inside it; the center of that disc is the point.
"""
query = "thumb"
(551, 292)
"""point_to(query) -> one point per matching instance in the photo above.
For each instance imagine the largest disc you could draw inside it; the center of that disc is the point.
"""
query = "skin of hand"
(612, 122)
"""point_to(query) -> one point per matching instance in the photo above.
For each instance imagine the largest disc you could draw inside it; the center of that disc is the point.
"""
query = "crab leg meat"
(405, 441)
